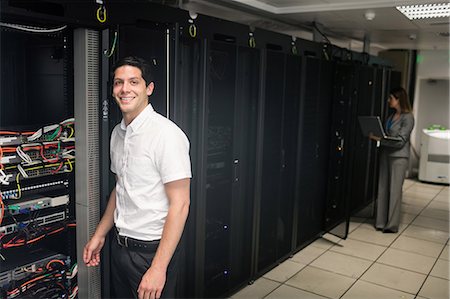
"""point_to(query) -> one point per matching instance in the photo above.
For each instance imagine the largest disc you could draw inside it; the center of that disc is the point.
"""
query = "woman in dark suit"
(394, 156)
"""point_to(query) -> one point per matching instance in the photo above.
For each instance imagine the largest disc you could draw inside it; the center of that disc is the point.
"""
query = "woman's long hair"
(400, 94)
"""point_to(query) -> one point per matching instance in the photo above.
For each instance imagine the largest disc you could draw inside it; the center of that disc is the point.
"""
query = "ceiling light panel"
(425, 11)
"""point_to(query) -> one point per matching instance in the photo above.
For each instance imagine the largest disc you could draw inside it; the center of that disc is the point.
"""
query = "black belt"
(136, 244)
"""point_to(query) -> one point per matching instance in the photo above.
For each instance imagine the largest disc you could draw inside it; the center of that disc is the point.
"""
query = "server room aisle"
(411, 264)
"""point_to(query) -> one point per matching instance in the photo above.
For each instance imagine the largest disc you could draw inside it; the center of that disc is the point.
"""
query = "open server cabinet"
(37, 164)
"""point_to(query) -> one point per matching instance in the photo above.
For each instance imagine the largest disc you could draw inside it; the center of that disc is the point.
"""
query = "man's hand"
(152, 284)
(91, 253)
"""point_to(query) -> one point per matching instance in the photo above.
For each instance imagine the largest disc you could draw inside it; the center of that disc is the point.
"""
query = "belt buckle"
(125, 240)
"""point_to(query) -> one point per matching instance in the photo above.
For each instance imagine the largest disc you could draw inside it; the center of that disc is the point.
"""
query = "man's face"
(130, 91)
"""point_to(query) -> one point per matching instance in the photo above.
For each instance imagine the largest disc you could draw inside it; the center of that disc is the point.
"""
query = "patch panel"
(27, 206)
(39, 170)
(36, 188)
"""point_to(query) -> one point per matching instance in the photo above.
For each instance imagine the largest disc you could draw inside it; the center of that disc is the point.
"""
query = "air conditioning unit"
(435, 156)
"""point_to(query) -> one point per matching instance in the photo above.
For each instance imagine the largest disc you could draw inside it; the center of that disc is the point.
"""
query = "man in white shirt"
(150, 202)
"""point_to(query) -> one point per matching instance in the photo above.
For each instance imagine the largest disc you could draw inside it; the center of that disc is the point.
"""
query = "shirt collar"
(139, 120)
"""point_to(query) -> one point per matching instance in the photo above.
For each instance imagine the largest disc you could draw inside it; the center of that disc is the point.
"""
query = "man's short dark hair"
(138, 62)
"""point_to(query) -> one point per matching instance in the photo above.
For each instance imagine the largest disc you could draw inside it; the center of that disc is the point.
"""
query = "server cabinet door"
(217, 98)
(313, 151)
(219, 166)
(188, 105)
(372, 172)
(244, 163)
(289, 196)
(323, 131)
(337, 215)
(361, 161)
(270, 222)
(232, 100)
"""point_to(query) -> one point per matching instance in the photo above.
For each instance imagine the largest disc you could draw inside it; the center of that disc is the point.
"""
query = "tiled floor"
(411, 264)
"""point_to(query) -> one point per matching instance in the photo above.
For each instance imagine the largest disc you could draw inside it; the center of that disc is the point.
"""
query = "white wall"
(431, 100)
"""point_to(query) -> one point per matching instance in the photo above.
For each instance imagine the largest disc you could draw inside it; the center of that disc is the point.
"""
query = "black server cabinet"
(377, 105)
(363, 151)
(220, 119)
(187, 102)
(344, 98)
(219, 166)
(314, 148)
(230, 141)
(280, 130)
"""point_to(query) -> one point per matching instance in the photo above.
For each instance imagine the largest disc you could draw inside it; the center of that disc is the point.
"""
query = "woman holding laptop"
(394, 156)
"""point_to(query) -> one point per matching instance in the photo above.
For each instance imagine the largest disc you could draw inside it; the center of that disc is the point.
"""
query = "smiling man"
(149, 205)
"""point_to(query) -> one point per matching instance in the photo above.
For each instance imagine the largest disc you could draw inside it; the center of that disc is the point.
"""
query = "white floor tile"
(359, 249)
(440, 205)
(407, 260)
(284, 271)
(408, 183)
(394, 278)
(411, 209)
(259, 289)
(350, 266)
(420, 202)
(427, 248)
(288, 292)
(441, 269)
(331, 238)
(445, 191)
(321, 282)
(422, 188)
(407, 218)
(420, 194)
(442, 197)
(436, 213)
(425, 233)
(445, 253)
(435, 288)
(372, 236)
(431, 223)
(366, 290)
(429, 186)
(307, 255)
(324, 243)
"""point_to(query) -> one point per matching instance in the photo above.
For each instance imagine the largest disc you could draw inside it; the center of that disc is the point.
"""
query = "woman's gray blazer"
(402, 128)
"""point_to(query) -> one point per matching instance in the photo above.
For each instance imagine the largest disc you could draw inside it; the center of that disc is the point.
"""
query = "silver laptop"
(372, 124)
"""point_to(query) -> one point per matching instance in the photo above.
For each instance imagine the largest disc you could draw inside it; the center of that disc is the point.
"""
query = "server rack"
(279, 145)
(359, 196)
(314, 148)
(37, 163)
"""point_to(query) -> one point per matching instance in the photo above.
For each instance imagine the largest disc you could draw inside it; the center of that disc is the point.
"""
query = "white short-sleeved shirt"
(146, 154)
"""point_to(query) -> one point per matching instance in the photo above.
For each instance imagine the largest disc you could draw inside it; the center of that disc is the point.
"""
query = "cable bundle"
(51, 281)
